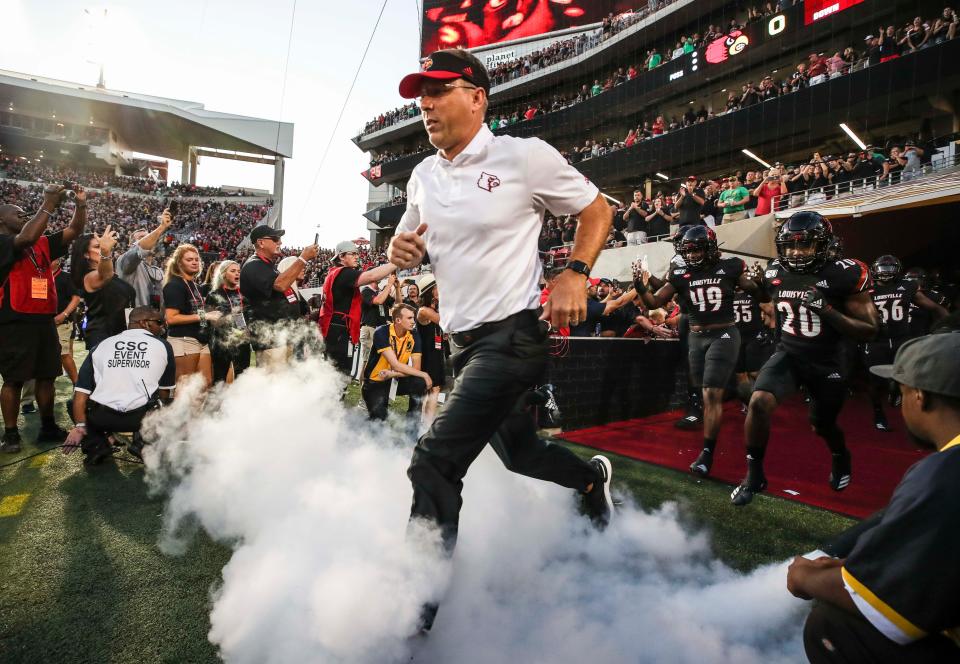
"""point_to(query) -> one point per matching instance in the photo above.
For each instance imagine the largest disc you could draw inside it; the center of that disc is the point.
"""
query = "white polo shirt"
(484, 211)
(125, 370)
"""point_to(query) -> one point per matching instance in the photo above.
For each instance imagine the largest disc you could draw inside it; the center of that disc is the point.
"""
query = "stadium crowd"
(33, 170)
(890, 42)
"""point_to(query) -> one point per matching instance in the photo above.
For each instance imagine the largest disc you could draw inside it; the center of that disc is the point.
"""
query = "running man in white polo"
(477, 207)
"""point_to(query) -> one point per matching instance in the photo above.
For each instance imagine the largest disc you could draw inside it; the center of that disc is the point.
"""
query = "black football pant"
(487, 405)
(376, 395)
(338, 347)
(833, 636)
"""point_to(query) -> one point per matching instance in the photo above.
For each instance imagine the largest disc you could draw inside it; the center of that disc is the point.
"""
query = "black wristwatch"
(579, 267)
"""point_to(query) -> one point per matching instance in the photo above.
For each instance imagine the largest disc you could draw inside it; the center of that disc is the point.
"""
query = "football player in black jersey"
(893, 297)
(817, 302)
(755, 322)
(706, 285)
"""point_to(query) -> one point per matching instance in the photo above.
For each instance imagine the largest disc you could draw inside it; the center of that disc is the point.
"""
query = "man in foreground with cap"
(268, 295)
(478, 207)
(895, 597)
(340, 315)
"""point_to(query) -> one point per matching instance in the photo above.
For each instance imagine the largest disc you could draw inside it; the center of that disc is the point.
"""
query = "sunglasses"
(435, 90)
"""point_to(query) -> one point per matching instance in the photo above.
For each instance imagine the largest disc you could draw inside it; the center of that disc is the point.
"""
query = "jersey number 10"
(799, 321)
(711, 296)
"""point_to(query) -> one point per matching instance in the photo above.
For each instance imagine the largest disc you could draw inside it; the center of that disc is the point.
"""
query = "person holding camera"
(769, 191)
(269, 294)
(29, 346)
(136, 265)
(689, 203)
(107, 297)
(340, 315)
(185, 314)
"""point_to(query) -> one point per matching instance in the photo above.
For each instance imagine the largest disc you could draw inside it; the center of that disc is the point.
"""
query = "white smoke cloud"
(314, 503)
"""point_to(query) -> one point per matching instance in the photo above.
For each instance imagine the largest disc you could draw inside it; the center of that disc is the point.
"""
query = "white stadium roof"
(148, 124)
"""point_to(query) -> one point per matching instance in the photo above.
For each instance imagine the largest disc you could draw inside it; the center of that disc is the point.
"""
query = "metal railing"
(840, 190)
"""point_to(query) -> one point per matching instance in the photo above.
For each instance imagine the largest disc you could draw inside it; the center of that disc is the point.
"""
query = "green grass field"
(83, 580)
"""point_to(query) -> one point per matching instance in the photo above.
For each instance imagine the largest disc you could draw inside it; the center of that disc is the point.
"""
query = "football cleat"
(840, 471)
(689, 422)
(702, 465)
(744, 493)
(597, 503)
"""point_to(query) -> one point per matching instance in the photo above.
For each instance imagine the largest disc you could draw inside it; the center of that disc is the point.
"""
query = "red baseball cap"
(447, 65)
(593, 281)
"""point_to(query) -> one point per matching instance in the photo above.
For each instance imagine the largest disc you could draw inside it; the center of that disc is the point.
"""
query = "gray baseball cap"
(346, 247)
(930, 363)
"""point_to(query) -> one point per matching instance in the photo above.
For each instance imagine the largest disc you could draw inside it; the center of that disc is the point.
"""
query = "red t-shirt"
(767, 199)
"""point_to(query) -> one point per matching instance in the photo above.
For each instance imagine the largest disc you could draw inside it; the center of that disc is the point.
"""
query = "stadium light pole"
(755, 157)
(853, 136)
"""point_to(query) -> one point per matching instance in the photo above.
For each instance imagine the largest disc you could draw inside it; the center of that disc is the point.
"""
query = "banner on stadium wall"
(814, 10)
(473, 23)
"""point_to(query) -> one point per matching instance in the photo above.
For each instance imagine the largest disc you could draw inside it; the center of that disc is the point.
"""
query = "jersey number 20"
(799, 321)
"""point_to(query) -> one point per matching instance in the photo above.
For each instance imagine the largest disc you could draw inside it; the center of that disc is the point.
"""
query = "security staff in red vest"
(29, 345)
(340, 314)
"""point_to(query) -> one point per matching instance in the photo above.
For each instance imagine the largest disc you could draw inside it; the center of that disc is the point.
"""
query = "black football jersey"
(706, 293)
(801, 331)
(893, 300)
(746, 313)
(921, 319)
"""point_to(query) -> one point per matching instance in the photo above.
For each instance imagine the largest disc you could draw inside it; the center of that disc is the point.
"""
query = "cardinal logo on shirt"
(488, 182)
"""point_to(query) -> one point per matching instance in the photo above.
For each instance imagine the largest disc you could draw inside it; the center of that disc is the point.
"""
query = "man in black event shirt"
(268, 293)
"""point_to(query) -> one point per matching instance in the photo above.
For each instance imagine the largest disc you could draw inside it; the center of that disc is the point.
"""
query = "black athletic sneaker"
(53, 434)
(28, 408)
(692, 420)
(10, 442)
(702, 465)
(597, 504)
(744, 493)
(880, 421)
(96, 449)
(135, 446)
(428, 613)
(840, 471)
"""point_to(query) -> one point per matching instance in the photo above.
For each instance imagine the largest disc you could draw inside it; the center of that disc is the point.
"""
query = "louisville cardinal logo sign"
(488, 182)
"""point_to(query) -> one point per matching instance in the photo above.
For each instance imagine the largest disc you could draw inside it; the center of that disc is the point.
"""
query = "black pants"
(338, 344)
(223, 356)
(712, 356)
(102, 421)
(377, 395)
(833, 636)
(783, 373)
(487, 405)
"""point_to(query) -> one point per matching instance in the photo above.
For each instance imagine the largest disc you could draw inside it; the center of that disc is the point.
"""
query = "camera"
(69, 190)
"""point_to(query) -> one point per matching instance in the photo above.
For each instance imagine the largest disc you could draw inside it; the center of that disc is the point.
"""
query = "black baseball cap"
(446, 65)
(930, 363)
(263, 230)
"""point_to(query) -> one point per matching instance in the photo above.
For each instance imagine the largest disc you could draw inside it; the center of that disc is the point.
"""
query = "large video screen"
(814, 10)
(473, 23)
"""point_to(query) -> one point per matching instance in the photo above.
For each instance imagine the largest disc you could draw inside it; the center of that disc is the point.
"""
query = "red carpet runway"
(797, 462)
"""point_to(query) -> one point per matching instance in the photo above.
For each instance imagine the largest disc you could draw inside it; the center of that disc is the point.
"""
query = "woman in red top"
(769, 191)
(658, 126)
